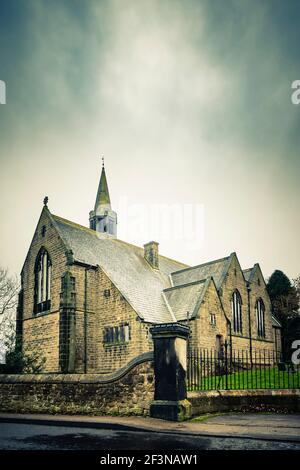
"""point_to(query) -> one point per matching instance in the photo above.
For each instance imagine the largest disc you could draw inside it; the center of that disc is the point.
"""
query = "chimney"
(151, 254)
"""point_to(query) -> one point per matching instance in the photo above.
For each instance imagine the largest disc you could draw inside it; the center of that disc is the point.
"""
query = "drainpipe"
(85, 320)
(228, 324)
(249, 321)
(230, 339)
(188, 337)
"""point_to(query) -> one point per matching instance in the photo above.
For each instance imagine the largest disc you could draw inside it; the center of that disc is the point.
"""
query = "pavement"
(264, 427)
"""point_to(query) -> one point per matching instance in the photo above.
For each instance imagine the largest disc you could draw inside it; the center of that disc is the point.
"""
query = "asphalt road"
(19, 436)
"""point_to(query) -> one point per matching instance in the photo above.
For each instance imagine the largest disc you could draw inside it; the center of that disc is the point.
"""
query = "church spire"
(102, 198)
(103, 218)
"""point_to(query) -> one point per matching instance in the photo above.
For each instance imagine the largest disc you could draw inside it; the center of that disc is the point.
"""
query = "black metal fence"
(238, 369)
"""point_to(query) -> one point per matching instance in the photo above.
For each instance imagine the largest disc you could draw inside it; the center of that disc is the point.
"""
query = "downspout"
(230, 338)
(249, 321)
(228, 322)
(85, 320)
(275, 334)
(19, 321)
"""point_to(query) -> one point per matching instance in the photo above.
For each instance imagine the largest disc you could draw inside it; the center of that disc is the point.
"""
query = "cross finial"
(102, 162)
(46, 200)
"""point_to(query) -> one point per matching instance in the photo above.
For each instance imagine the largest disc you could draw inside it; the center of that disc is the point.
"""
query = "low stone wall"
(130, 390)
(244, 400)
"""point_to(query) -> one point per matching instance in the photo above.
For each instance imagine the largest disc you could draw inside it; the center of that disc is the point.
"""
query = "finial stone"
(46, 199)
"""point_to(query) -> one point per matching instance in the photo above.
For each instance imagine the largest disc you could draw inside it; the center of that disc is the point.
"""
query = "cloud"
(188, 100)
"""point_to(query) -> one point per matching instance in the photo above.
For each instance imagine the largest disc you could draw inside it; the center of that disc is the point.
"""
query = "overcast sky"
(189, 102)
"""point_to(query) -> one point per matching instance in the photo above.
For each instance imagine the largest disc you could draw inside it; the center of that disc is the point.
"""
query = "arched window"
(260, 318)
(42, 282)
(236, 309)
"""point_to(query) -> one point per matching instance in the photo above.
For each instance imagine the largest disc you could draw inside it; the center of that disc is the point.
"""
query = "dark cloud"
(197, 89)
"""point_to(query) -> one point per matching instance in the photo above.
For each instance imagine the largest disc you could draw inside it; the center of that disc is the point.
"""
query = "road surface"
(226, 432)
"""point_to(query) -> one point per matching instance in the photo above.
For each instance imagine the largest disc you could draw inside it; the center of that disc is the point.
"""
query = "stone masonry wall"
(56, 249)
(103, 312)
(282, 401)
(235, 280)
(130, 393)
(115, 311)
(41, 332)
(203, 332)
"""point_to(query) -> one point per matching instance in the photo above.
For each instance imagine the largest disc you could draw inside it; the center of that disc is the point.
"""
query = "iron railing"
(236, 370)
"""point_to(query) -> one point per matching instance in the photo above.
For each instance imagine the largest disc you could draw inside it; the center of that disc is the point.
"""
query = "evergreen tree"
(278, 284)
(285, 305)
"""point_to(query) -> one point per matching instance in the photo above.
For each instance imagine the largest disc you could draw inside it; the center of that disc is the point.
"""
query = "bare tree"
(9, 288)
(18, 360)
(296, 284)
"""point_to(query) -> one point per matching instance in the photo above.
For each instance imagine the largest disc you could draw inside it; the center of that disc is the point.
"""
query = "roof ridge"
(200, 265)
(202, 281)
(174, 260)
(168, 306)
(70, 222)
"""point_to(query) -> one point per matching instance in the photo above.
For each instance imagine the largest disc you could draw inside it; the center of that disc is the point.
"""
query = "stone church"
(88, 299)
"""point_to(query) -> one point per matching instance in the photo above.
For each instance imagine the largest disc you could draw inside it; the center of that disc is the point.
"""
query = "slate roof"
(125, 265)
(216, 269)
(163, 295)
(186, 298)
(247, 273)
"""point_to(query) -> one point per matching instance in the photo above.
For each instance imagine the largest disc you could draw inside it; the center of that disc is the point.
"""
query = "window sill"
(42, 307)
(40, 314)
(120, 343)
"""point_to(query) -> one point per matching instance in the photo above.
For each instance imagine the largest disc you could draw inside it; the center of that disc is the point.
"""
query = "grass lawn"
(250, 379)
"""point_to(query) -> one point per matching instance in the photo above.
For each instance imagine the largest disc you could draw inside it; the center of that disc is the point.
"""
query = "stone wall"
(114, 311)
(235, 281)
(104, 311)
(128, 391)
(48, 239)
(41, 334)
(203, 332)
(206, 334)
(244, 400)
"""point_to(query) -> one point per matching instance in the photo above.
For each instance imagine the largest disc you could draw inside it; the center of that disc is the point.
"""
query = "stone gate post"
(170, 364)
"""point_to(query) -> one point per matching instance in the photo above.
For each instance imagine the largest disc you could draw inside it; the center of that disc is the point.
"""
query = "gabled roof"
(185, 300)
(250, 273)
(247, 273)
(126, 267)
(216, 269)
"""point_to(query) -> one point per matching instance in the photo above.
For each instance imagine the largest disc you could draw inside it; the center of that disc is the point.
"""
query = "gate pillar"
(170, 364)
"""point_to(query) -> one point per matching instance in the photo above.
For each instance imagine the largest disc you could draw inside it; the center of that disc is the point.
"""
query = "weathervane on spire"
(46, 200)
(102, 162)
